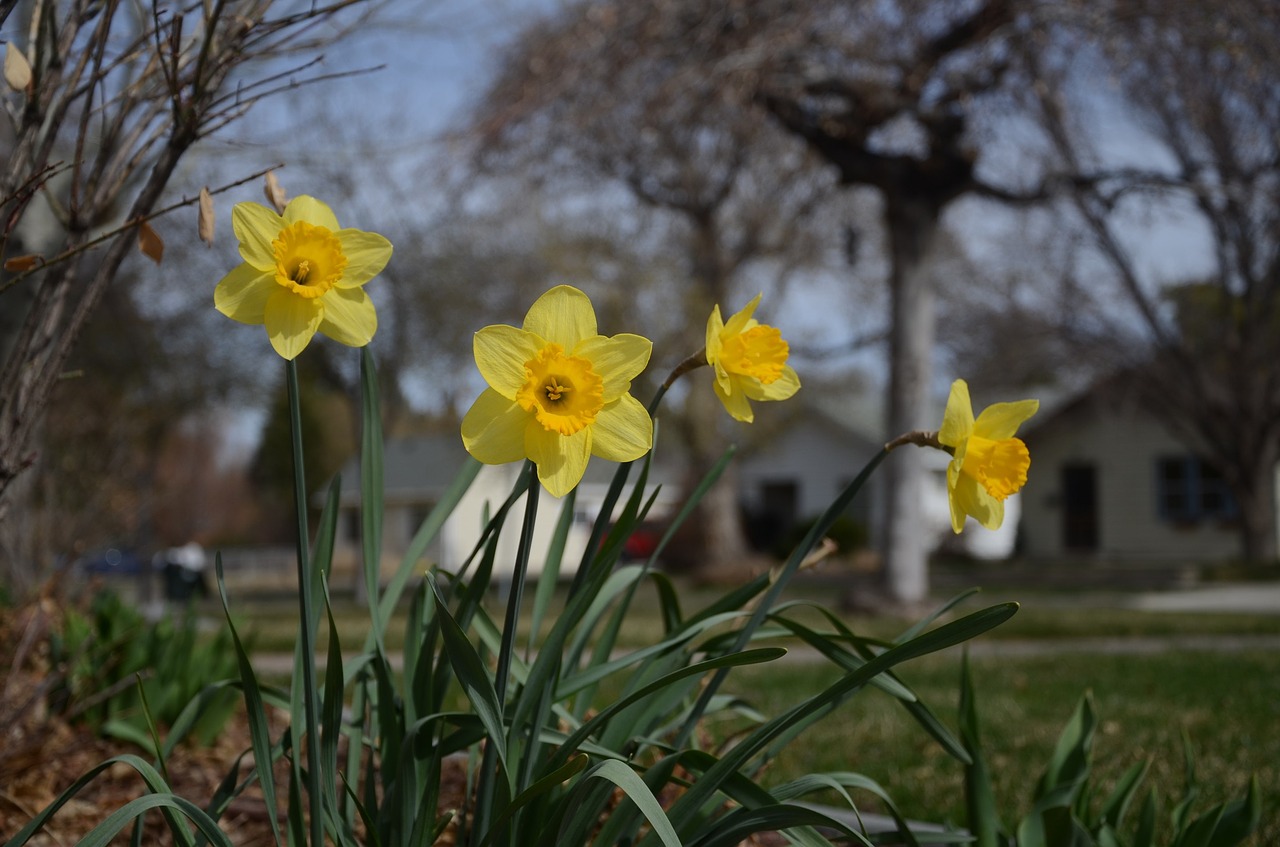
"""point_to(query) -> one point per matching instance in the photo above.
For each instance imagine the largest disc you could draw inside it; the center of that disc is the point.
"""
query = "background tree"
(887, 93)
(105, 100)
(608, 96)
(1191, 94)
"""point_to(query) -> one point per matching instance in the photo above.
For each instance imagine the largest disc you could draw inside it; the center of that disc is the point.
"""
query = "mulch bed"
(42, 754)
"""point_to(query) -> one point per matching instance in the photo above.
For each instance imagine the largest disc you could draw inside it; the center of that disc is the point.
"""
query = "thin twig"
(130, 224)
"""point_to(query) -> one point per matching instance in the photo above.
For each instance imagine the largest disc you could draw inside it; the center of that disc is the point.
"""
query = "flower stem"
(307, 628)
(920, 438)
(486, 782)
(697, 360)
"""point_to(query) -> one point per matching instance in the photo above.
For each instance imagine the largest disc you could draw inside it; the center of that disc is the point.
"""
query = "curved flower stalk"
(988, 463)
(558, 392)
(302, 274)
(750, 361)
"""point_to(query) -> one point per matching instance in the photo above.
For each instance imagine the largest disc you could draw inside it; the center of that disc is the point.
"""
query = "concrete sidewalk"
(1262, 598)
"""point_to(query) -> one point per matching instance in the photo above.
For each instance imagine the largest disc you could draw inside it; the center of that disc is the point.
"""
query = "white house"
(417, 471)
(1109, 481)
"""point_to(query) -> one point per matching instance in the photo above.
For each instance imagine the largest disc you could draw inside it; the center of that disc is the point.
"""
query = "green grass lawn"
(1227, 704)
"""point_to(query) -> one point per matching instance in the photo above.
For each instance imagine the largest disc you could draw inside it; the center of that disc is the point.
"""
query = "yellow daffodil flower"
(302, 274)
(558, 392)
(750, 361)
(989, 464)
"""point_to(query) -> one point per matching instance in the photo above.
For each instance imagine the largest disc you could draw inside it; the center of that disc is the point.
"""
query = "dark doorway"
(770, 523)
(1080, 508)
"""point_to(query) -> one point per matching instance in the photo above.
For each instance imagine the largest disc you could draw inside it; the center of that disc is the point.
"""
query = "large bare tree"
(887, 92)
(1198, 137)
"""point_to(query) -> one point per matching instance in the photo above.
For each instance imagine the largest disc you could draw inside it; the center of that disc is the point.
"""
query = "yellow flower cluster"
(558, 391)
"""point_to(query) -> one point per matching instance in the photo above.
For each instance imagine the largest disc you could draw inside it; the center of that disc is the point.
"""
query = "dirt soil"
(42, 754)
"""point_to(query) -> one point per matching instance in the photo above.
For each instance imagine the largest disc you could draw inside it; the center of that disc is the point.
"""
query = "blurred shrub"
(106, 659)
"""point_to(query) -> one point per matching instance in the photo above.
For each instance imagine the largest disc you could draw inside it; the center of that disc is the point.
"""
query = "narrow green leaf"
(305, 660)
(980, 803)
(409, 564)
(1116, 806)
(944, 636)
(331, 709)
(1145, 834)
(102, 834)
(748, 657)
(1069, 765)
(574, 766)
(1240, 818)
(779, 581)
(550, 575)
(474, 678)
(255, 709)
(371, 486)
(635, 789)
(738, 825)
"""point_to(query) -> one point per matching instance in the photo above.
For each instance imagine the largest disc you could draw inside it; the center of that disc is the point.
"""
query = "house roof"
(411, 467)
(1118, 391)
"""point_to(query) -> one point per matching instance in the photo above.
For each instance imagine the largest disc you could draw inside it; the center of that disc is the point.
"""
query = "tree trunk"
(718, 539)
(911, 339)
(1257, 501)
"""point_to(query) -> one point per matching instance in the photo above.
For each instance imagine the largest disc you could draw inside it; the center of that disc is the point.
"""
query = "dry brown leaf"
(17, 70)
(274, 191)
(18, 264)
(150, 242)
(206, 221)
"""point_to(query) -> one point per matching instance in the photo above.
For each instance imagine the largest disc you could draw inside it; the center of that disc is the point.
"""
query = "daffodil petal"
(616, 360)
(957, 419)
(561, 459)
(256, 227)
(1001, 420)
(734, 400)
(623, 431)
(562, 316)
(741, 321)
(972, 499)
(349, 316)
(311, 210)
(784, 386)
(715, 326)
(493, 429)
(242, 294)
(367, 254)
(501, 352)
(291, 321)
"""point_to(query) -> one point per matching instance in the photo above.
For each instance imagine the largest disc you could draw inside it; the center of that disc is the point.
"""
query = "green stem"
(620, 480)
(788, 570)
(487, 780)
(307, 634)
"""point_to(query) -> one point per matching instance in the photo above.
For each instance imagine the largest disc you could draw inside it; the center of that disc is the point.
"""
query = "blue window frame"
(1189, 490)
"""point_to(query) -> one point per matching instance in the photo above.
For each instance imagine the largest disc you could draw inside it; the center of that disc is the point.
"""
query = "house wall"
(1122, 444)
(818, 459)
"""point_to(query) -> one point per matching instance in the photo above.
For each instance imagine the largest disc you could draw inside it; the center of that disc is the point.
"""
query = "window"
(1189, 490)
